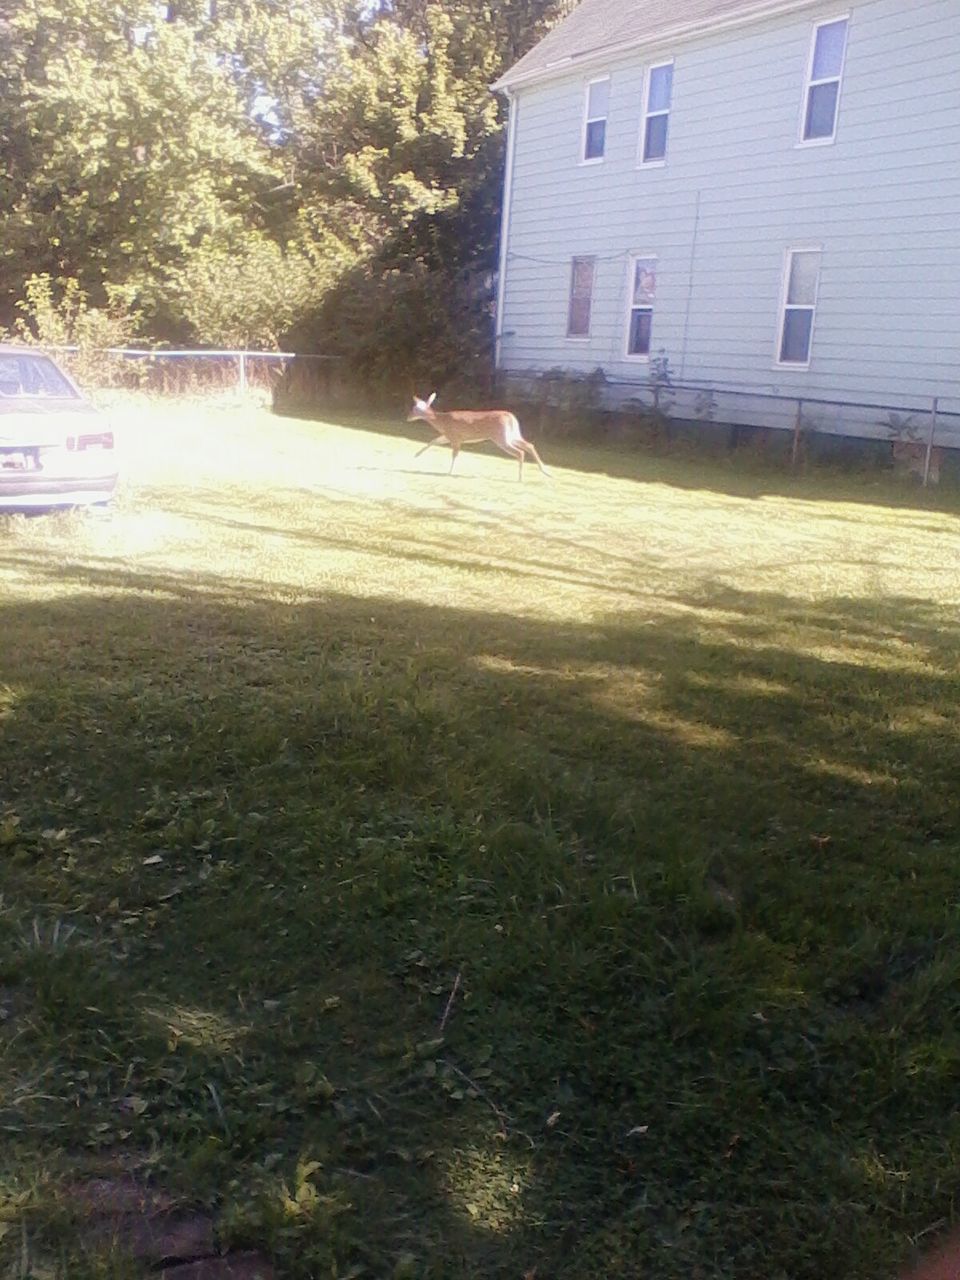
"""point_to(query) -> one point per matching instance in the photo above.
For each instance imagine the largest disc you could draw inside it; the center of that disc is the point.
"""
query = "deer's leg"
(435, 440)
(514, 451)
(454, 454)
(527, 447)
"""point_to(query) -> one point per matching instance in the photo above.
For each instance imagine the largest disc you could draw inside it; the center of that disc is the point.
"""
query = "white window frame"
(588, 120)
(810, 83)
(658, 163)
(638, 357)
(581, 257)
(782, 322)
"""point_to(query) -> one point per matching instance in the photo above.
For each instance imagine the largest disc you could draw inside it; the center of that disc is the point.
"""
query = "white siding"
(883, 201)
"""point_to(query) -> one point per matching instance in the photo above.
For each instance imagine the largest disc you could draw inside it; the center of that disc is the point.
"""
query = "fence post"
(243, 373)
(798, 427)
(935, 408)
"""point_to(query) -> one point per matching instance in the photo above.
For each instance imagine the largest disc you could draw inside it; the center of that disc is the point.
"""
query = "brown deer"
(471, 426)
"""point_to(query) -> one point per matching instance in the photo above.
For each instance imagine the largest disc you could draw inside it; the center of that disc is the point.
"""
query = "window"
(643, 288)
(801, 285)
(823, 81)
(595, 119)
(653, 147)
(581, 297)
(33, 375)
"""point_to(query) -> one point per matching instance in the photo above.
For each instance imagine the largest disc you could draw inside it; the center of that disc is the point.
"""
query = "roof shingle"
(596, 25)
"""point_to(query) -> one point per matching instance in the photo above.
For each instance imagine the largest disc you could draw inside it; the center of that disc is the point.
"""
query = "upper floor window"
(643, 290)
(595, 119)
(581, 297)
(800, 290)
(825, 74)
(656, 116)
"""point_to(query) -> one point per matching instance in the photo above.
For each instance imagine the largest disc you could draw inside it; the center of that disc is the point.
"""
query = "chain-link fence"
(916, 433)
(183, 372)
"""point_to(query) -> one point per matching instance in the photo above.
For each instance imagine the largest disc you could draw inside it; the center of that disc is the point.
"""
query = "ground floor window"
(801, 284)
(643, 288)
(581, 297)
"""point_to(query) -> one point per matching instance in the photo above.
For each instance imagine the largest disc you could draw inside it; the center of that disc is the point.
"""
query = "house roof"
(601, 27)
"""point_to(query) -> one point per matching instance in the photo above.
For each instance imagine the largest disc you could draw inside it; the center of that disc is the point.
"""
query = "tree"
(406, 149)
(232, 168)
(133, 152)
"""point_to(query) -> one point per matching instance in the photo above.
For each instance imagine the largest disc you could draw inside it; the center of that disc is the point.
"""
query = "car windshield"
(25, 374)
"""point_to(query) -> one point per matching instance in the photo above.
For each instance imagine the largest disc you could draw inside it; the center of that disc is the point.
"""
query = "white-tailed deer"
(472, 426)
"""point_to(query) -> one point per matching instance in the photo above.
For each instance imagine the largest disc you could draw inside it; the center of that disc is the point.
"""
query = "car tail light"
(101, 440)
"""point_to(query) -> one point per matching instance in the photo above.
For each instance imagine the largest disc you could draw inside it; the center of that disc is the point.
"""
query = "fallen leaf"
(8, 829)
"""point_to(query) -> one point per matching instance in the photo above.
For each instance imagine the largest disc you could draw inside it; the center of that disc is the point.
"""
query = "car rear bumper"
(23, 490)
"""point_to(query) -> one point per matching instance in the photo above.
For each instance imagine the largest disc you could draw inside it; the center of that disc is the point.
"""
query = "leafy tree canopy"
(228, 165)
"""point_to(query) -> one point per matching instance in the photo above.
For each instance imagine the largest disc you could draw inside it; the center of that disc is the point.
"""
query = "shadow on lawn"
(697, 874)
(738, 474)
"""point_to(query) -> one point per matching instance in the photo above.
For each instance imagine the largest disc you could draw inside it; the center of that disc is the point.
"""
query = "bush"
(403, 329)
(56, 314)
(245, 295)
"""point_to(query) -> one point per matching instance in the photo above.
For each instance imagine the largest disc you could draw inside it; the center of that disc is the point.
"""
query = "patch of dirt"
(114, 1197)
(153, 1227)
(155, 1238)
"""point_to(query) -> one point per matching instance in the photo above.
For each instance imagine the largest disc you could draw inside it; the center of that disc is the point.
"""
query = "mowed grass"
(439, 877)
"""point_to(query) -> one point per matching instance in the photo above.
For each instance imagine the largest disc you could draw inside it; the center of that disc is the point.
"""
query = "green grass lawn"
(652, 768)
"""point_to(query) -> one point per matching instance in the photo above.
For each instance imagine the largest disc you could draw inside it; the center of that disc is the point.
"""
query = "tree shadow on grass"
(695, 873)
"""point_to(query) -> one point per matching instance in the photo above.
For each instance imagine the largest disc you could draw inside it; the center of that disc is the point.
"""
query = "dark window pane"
(582, 276)
(655, 138)
(821, 110)
(581, 293)
(596, 140)
(797, 328)
(578, 325)
(641, 322)
(828, 51)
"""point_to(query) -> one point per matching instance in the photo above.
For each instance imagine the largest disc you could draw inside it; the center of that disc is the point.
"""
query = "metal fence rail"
(241, 361)
(917, 429)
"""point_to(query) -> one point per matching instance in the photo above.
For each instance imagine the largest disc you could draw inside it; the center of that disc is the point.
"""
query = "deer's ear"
(431, 400)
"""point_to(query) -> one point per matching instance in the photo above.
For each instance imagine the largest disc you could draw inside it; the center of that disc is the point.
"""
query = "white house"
(765, 191)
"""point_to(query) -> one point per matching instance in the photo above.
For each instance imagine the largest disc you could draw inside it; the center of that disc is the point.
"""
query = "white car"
(56, 450)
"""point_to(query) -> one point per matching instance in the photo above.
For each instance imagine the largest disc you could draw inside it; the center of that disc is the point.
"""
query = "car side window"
(9, 377)
(41, 377)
